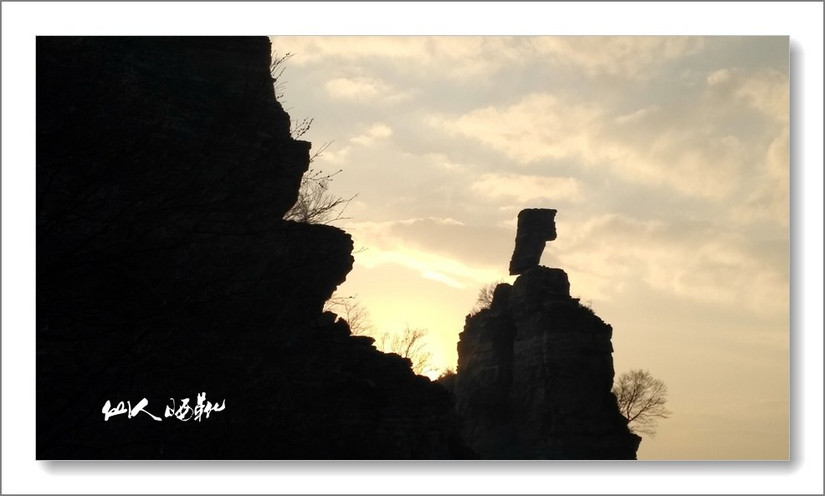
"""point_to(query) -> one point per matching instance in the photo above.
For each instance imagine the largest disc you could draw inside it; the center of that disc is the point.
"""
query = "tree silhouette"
(485, 296)
(641, 399)
(351, 310)
(315, 203)
(410, 344)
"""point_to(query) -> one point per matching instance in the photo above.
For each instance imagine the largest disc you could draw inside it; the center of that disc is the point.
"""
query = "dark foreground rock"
(165, 270)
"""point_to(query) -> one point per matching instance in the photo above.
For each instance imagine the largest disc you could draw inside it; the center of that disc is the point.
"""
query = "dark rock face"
(536, 226)
(165, 269)
(534, 376)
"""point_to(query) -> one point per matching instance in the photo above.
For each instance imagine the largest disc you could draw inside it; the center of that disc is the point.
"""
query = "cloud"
(446, 221)
(636, 115)
(458, 58)
(539, 126)
(524, 189)
(445, 163)
(363, 89)
(697, 162)
(439, 249)
(698, 145)
(336, 156)
(468, 57)
(766, 91)
(631, 57)
(698, 261)
(431, 266)
(442, 278)
(315, 49)
(479, 58)
(377, 131)
(769, 199)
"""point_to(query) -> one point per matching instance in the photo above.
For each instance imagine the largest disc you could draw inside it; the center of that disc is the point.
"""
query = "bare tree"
(315, 204)
(351, 310)
(410, 344)
(485, 296)
(641, 399)
(276, 71)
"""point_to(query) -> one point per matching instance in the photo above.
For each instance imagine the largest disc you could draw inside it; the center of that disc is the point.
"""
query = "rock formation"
(535, 369)
(536, 226)
(165, 269)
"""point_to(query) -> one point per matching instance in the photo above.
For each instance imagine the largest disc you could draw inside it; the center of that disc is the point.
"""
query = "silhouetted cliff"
(164, 270)
(535, 369)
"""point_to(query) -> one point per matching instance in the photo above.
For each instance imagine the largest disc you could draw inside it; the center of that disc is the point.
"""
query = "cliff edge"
(165, 271)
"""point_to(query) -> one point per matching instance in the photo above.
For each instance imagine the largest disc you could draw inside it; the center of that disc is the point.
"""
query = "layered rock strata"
(534, 375)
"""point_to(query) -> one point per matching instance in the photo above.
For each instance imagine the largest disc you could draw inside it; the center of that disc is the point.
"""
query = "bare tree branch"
(351, 310)
(641, 399)
(410, 344)
(485, 296)
(315, 204)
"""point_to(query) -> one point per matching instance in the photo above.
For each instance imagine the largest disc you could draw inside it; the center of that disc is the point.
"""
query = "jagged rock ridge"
(535, 369)
(165, 269)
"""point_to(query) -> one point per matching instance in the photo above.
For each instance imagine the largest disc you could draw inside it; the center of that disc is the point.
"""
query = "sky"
(667, 159)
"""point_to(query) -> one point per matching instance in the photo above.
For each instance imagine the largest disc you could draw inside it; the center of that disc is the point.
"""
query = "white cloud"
(458, 58)
(766, 91)
(478, 58)
(637, 115)
(444, 163)
(336, 156)
(444, 221)
(377, 131)
(431, 266)
(537, 127)
(525, 188)
(697, 149)
(439, 249)
(770, 198)
(632, 57)
(442, 278)
(700, 262)
(315, 49)
(364, 89)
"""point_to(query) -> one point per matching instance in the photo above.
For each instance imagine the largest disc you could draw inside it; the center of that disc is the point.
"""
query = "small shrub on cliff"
(447, 379)
(587, 305)
(485, 297)
(316, 204)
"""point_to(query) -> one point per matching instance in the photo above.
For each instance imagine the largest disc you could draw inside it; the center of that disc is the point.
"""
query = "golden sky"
(667, 159)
